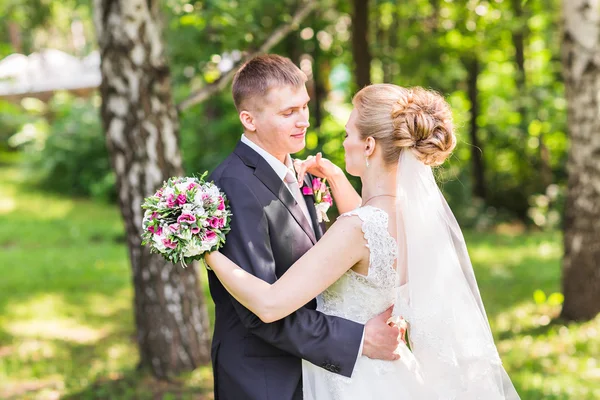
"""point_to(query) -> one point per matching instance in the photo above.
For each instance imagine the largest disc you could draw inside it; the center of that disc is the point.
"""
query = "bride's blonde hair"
(406, 118)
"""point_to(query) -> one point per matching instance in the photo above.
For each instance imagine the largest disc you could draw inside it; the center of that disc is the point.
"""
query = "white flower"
(322, 211)
(187, 208)
(182, 187)
(213, 191)
(158, 244)
(168, 191)
(198, 198)
(195, 248)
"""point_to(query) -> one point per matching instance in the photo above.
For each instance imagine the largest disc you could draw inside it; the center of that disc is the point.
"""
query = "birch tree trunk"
(140, 121)
(581, 65)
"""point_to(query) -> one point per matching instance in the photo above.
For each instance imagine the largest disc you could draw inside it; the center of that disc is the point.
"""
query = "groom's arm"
(329, 342)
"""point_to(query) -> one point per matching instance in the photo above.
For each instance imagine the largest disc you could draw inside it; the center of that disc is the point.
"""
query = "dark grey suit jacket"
(269, 232)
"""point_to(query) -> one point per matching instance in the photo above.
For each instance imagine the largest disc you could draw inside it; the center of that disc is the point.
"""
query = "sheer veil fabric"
(438, 295)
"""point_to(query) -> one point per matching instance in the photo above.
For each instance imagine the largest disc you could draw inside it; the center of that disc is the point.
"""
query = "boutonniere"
(323, 199)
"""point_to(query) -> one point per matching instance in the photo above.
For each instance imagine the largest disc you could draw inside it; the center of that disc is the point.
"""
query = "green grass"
(66, 321)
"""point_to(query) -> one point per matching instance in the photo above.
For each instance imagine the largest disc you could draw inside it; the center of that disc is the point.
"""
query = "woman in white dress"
(401, 247)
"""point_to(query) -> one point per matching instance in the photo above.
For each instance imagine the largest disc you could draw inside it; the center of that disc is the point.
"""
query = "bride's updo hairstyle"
(399, 118)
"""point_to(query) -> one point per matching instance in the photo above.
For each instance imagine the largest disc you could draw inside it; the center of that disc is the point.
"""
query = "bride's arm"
(346, 198)
(342, 247)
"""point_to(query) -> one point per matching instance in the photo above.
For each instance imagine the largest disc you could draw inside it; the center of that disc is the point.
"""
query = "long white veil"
(438, 295)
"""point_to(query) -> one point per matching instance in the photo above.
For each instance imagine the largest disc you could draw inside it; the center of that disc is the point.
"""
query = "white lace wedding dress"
(359, 298)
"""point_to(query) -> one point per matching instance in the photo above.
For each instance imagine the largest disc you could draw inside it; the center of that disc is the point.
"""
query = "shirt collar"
(280, 168)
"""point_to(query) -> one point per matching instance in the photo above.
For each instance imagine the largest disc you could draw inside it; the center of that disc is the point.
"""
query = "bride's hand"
(317, 166)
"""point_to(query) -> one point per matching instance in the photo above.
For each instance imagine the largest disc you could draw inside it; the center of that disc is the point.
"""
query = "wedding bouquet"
(185, 218)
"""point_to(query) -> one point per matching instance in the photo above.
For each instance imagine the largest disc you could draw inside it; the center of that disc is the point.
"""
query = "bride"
(401, 247)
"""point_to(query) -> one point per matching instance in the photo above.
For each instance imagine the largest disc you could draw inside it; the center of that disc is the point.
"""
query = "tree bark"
(581, 68)
(360, 43)
(478, 165)
(141, 125)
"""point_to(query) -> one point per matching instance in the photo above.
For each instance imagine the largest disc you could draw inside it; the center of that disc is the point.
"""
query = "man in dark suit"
(273, 225)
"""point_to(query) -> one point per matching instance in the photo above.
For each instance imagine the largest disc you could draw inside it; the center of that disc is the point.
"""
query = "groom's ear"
(248, 120)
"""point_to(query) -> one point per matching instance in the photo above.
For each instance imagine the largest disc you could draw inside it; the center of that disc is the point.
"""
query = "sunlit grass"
(66, 319)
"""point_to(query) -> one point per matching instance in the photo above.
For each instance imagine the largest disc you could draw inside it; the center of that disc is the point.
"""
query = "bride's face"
(354, 148)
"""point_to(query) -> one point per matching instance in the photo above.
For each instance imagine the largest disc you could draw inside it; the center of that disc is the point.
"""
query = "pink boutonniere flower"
(323, 199)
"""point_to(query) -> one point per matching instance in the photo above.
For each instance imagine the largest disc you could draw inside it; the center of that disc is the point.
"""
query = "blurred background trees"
(498, 62)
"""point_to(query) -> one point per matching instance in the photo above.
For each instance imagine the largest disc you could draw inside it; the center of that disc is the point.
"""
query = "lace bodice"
(361, 297)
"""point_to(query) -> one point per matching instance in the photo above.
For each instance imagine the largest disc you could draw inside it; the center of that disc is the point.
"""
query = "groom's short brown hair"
(260, 74)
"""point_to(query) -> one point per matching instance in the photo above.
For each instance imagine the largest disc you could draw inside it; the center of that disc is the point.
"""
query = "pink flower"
(174, 227)
(214, 222)
(169, 243)
(157, 230)
(210, 235)
(154, 215)
(221, 222)
(316, 184)
(171, 201)
(187, 218)
(327, 198)
(159, 193)
(221, 206)
(195, 230)
(181, 199)
(306, 190)
(192, 185)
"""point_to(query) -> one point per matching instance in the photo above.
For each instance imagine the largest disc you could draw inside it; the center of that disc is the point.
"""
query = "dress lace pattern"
(361, 297)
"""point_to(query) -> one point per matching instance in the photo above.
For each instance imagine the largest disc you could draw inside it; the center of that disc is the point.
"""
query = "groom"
(273, 225)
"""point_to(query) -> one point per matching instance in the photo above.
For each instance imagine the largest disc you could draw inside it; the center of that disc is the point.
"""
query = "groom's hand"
(381, 339)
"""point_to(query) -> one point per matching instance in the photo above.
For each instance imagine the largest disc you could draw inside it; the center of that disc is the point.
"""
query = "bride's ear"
(369, 146)
(247, 120)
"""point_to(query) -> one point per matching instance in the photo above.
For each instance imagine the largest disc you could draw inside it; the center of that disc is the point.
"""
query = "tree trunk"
(320, 70)
(360, 43)
(14, 32)
(581, 68)
(141, 126)
(391, 66)
(519, 37)
(479, 188)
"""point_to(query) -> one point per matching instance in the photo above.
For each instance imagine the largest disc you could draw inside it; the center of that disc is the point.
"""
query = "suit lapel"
(266, 174)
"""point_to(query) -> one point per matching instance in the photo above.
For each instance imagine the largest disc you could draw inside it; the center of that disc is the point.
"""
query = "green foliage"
(68, 154)
(521, 122)
(12, 118)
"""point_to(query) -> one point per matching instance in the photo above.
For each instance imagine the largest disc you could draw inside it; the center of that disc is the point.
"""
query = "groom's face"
(282, 120)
